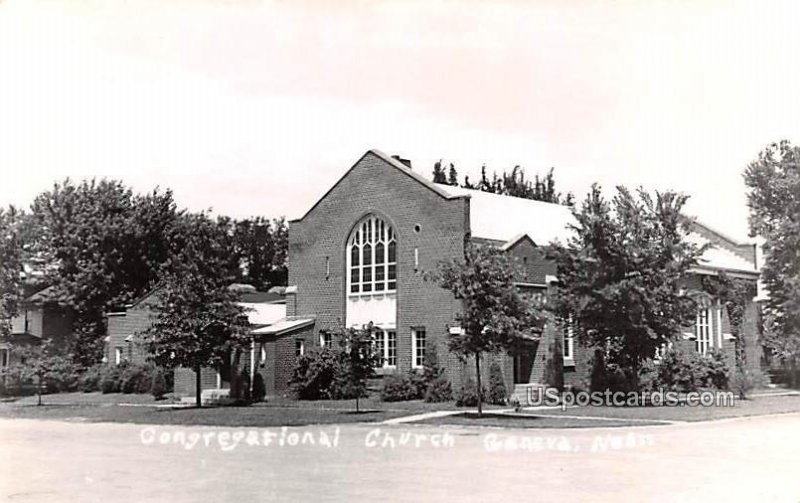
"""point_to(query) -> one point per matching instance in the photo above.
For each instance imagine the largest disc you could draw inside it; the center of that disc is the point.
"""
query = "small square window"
(299, 347)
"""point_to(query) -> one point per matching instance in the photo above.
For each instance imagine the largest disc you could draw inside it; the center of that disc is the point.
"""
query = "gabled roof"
(47, 294)
(507, 220)
(503, 218)
(390, 161)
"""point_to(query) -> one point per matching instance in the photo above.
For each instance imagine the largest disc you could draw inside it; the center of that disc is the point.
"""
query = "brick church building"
(360, 253)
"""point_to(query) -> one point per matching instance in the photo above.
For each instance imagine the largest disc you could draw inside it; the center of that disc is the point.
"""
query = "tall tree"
(11, 259)
(258, 250)
(452, 176)
(773, 185)
(199, 321)
(494, 313)
(620, 274)
(100, 246)
(439, 175)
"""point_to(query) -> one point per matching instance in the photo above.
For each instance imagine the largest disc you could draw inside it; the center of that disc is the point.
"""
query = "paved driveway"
(742, 460)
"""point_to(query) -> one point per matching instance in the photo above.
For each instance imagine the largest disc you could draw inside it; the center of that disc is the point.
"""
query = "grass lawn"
(143, 409)
(502, 420)
(756, 406)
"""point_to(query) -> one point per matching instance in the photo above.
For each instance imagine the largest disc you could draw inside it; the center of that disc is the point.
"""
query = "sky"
(257, 107)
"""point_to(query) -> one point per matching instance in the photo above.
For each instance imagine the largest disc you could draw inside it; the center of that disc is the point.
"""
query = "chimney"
(404, 162)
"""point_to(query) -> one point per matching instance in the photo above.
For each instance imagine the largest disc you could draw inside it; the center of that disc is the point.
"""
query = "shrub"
(259, 388)
(240, 388)
(746, 380)
(244, 385)
(315, 375)
(402, 387)
(136, 378)
(648, 376)
(63, 375)
(158, 384)
(467, 396)
(90, 380)
(439, 390)
(110, 378)
(686, 371)
(497, 385)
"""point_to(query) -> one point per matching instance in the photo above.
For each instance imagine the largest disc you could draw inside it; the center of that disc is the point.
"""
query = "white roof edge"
(283, 326)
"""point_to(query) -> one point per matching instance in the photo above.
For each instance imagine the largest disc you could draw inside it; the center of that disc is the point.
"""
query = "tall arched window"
(372, 257)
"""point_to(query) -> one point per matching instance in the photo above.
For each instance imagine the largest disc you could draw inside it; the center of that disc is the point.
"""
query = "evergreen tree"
(452, 176)
(438, 173)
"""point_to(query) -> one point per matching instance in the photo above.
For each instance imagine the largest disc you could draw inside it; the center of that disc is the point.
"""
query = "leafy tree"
(11, 259)
(199, 321)
(358, 360)
(34, 364)
(100, 245)
(439, 175)
(260, 246)
(620, 275)
(773, 185)
(494, 313)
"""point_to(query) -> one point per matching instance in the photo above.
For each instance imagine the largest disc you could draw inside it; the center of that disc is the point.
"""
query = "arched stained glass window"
(372, 257)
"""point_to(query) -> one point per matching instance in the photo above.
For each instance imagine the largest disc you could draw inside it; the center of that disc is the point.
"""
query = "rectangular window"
(391, 348)
(325, 339)
(367, 275)
(703, 331)
(385, 346)
(263, 359)
(299, 347)
(3, 358)
(569, 339)
(418, 347)
(118, 355)
(380, 347)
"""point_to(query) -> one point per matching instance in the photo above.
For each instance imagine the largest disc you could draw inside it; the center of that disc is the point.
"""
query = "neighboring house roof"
(47, 294)
(509, 219)
(262, 297)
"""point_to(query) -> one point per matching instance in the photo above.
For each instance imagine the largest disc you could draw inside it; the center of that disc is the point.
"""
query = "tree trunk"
(39, 391)
(198, 392)
(357, 404)
(480, 388)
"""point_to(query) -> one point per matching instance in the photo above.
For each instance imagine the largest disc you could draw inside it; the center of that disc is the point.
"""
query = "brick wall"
(123, 325)
(374, 186)
(185, 380)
